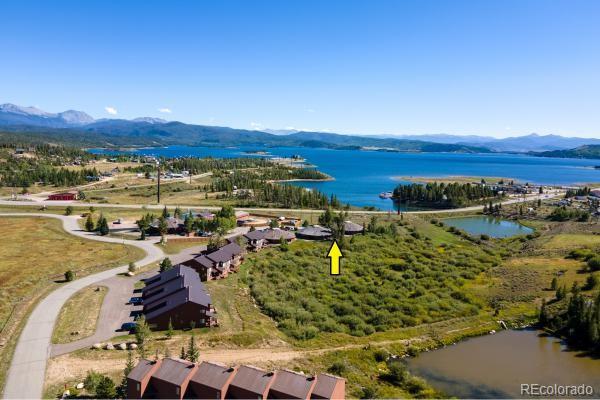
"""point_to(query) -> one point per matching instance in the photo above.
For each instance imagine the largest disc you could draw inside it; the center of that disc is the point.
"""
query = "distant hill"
(519, 144)
(76, 127)
(588, 151)
(11, 114)
(79, 127)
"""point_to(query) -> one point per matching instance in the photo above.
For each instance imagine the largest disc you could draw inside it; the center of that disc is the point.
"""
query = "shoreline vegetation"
(454, 179)
(445, 195)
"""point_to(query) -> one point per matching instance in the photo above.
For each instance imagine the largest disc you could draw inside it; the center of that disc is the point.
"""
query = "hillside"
(588, 151)
(29, 124)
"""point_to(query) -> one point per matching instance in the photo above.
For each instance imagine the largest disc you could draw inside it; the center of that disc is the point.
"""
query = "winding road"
(28, 367)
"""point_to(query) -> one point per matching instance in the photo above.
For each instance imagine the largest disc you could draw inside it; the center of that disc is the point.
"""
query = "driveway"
(115, 311)
(27, 370)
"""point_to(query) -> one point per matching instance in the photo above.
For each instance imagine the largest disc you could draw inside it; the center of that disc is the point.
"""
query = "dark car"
(136, 301)
(128, 327)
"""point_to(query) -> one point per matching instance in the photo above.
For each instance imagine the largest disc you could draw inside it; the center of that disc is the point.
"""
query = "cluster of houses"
(172, 378)
(178, 297)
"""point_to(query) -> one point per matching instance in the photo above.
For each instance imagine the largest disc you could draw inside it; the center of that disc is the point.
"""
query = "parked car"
(129, 327)
(136, 301)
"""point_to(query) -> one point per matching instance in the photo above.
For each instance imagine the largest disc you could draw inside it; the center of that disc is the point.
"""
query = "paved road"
(114, 312)
(27, 370)
(259, 210)
(115, 309)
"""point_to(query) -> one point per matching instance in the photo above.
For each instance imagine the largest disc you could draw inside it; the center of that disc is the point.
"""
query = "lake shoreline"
(452, 179)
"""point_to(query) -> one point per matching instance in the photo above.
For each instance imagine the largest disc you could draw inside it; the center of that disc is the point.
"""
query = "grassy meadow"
(34, 263)
(79, 316)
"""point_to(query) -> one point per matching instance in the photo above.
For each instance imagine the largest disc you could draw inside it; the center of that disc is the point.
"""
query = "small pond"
(491, 226)
(495, 366)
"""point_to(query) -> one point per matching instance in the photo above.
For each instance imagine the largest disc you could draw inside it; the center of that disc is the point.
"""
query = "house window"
(177, 390)
(138, 387)
(218, 396)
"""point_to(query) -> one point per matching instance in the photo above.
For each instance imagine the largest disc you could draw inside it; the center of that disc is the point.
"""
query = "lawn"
(33, 258)
(79, 315)
(570, 241)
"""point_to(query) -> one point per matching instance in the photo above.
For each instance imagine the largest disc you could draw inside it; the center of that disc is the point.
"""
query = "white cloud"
(165, 110)
(256, 125)
(111, 110)
(310, 110)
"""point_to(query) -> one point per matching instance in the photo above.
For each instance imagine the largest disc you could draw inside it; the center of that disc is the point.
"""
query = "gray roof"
(185, 287)
(351, 227)
(212, 375)
(176, 272)
(325, 385)
(317, 232)
(277, 234)
(141, 370)
(255, 235)
(292, 384)
(172, 223)
(225, 253)
(204, 261)
(252, 379)
(174, 370)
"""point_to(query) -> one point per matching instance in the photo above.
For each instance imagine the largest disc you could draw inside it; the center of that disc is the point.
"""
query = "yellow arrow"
(335, 254)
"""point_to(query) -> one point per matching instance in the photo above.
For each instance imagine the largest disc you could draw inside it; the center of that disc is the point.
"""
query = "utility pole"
(158, 182)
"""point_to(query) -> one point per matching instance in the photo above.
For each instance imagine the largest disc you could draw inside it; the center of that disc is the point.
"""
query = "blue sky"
(500, 68)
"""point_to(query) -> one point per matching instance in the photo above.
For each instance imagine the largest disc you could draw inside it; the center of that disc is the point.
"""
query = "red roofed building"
(65, 196)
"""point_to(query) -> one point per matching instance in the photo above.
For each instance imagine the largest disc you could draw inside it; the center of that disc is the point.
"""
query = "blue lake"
(493, 227)
(361, 175)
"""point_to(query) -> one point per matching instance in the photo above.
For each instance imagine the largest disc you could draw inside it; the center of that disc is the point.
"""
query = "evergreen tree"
(129, 365)
(192, 352)
(183, 354)
(165, 212)
(165, 264)
(142, 333)
(188, 225)
(163, 227)
(106, 388)
(169, 333)
(89, 223)
(102, 226)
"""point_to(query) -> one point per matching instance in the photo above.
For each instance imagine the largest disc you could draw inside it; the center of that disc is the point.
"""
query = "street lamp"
(158, 182)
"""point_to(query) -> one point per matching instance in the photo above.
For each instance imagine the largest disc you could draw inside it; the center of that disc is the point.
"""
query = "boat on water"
(385, 195)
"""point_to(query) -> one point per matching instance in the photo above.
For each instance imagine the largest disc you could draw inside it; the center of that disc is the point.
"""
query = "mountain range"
(78, 127)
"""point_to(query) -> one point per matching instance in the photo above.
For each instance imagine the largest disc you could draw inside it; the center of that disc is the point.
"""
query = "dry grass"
(79, 316)
(570, 241)
(33, 258)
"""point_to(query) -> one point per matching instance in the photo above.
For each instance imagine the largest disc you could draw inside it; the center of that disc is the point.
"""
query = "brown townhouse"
(178, 296)
(174, 378)
(219, 263)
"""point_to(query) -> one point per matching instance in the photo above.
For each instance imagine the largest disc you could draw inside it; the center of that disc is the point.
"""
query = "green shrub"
(380, 355)
(69, 276)
(337, 368)
(594, 263)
